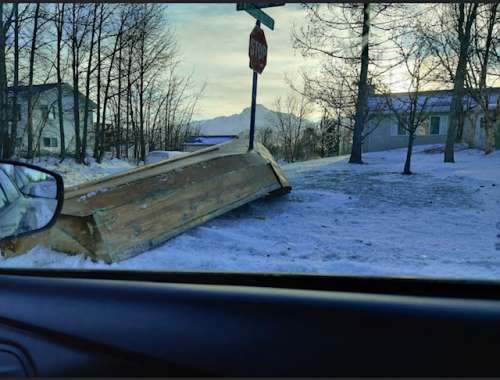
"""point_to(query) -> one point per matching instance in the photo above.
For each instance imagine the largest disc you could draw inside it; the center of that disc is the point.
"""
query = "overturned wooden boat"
(119, 216)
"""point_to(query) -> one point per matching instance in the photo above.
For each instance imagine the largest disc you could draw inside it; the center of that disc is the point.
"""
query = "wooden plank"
(60, 237)
(83, 188)
(146, 187)
(262, 150)
(221, 150)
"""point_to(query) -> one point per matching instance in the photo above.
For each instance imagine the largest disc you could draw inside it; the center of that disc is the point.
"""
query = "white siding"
(394, 127)
(443, 125)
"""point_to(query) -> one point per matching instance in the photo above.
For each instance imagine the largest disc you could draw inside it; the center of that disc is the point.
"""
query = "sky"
(213, 41)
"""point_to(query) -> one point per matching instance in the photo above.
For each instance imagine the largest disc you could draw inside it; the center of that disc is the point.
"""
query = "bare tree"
(290, 123)
(118, 121)
(97, 128)
(329, 135)
(31, 99)
(411, 111)
(348, 36)
(82, 154)
(153, 47)
(266, 137)
(11, 150)
(123, 56)
(481, 65)
(59, 25)
(3, 85)
(8, 107)
(362, 100)
(79, 29)
(464, 16)
(109, 78)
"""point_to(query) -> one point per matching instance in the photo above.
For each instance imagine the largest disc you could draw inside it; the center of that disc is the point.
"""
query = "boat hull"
(120, 216)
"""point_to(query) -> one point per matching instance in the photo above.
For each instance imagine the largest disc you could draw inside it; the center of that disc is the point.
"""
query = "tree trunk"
(75, 64)
(129, 89)
(359, 123)
(489, 127)
(141, 105)
(30, 82)
(105, 101)
(97, 132)
(11, 151)
(60, 111)
(3, 87)
(489, 131)
(460, 123)
(456, 107)
(409, 151)
(118, 142)
(83, 153)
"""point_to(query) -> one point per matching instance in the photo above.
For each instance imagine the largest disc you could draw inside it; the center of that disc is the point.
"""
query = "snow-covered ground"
(344, 219)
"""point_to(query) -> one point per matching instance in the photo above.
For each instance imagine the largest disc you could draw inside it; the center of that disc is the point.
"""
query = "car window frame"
(3, 196)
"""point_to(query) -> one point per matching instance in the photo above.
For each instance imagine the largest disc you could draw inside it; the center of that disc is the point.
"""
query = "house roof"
(435, 101)
(35, 88)
(209, 140)
(39, 88)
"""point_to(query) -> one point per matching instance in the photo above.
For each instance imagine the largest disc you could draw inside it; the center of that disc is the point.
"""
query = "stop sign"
(257, 50)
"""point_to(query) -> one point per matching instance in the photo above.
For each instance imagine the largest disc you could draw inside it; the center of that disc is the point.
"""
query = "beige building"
(388, 134)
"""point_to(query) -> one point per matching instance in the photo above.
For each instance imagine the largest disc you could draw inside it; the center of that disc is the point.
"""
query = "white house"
(388, 134)
(46, 130)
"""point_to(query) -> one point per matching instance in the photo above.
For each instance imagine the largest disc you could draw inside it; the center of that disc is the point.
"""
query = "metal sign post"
(254, 101)
(257, 51)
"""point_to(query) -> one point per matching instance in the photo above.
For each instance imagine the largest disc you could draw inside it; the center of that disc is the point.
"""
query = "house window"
(50, 142)
(18, 110)
(435, 122)
(482, 123)
(11, 112)
(45, 112)
(401, 129)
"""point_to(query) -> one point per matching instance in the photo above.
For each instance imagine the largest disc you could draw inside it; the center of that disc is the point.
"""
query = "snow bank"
(345, 219)
(74, 173)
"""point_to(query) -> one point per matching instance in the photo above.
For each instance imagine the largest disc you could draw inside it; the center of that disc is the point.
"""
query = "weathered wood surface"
(119, 216)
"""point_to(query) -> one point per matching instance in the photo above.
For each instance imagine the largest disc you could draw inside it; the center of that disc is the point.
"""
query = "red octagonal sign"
(257, 50)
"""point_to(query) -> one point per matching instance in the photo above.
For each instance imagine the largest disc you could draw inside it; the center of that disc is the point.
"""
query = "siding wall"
(385, 136)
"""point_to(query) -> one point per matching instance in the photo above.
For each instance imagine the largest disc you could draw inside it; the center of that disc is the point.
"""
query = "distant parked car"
(160, 155)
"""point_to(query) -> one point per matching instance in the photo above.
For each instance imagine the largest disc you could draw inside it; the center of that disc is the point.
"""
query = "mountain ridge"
(236, 123)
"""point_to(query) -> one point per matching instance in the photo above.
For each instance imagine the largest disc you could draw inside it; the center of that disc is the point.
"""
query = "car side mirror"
(31, 199)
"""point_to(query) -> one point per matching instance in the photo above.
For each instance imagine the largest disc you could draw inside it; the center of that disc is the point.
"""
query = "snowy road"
(345, 219)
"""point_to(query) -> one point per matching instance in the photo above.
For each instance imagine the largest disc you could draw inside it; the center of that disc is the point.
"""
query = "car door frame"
(328, 305)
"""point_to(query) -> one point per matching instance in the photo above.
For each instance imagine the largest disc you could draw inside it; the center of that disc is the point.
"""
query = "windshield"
(336, 138)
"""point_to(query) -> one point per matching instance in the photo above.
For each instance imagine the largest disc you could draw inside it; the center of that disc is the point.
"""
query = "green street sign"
(241, 6)
(257, 13)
